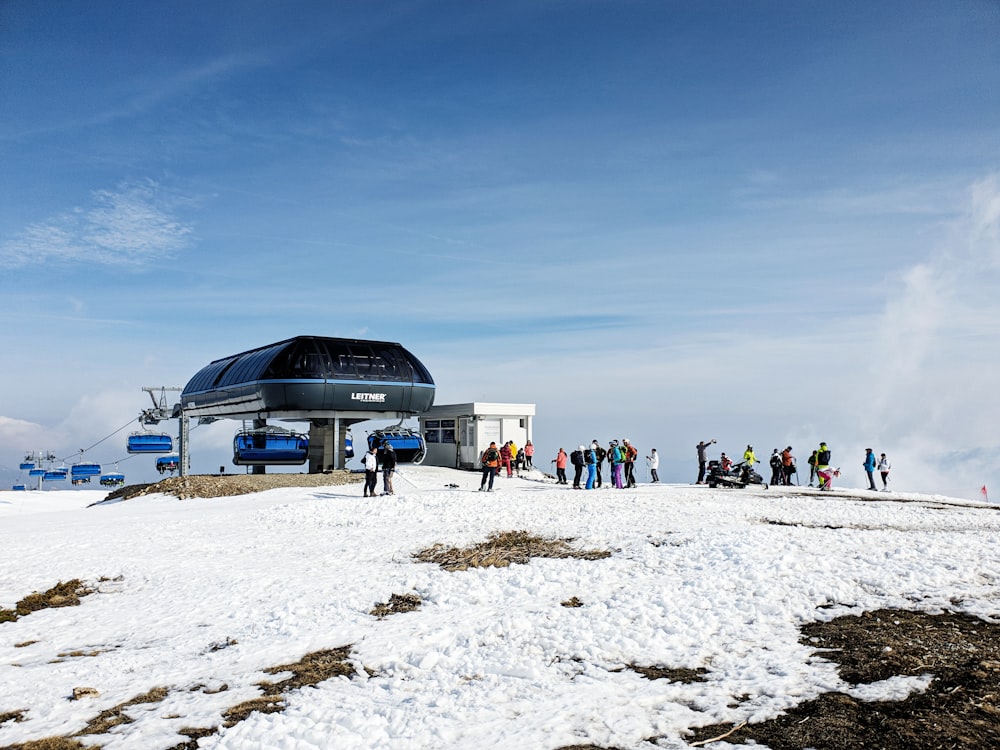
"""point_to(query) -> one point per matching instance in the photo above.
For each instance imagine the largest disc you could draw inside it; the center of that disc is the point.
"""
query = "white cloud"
(130, 225)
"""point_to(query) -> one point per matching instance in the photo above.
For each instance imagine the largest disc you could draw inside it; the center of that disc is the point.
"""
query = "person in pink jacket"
(560, 462)
(529, 452)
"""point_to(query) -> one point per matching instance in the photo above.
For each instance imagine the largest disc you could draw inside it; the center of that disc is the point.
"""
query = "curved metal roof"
(310, 374)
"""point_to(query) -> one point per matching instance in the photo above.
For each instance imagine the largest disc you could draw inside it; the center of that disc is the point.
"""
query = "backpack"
(775, 461)
(823, 458)
(575, 458)
(490, 455)
(588, 456)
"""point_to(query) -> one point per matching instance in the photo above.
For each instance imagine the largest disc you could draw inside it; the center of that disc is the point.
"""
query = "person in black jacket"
(388, 467)
(576, 458)
(776, 468)
(601, 455)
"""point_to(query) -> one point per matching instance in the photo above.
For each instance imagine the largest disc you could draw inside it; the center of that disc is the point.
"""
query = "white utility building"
(457, 434)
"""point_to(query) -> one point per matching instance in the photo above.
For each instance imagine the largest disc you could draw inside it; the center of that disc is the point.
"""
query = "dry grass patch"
(572, 602)
(505, 548)
(397, 604)
(113, 717)
(51, 743)
(63, 594)
(264, 704)
(15, 716)
(310, 670)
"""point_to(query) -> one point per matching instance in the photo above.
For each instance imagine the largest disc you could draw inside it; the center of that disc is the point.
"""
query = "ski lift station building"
(457, 434)
(330, 383)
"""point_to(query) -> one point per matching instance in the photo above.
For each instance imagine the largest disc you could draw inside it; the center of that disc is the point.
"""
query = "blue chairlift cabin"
(26, 465)
(149, 442)
(408, 444)
(38, 471)
(55, 475)
(270, 446)
(168, 463)
(84, 470)
(19, 488)
(113, 479)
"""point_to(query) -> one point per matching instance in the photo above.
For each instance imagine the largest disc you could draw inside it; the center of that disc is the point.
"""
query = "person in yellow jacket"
(513, 458)
(748, 457)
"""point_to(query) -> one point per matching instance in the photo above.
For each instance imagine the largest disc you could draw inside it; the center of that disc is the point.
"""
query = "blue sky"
(766, 222)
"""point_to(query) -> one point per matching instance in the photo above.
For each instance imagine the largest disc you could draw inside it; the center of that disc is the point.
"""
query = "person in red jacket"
(506, 457)
(560, 462)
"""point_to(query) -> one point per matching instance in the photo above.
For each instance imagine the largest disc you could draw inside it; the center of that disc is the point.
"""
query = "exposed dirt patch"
(228, 485)
(670, 674)
(572, 602)
(113, 717)
(16, 716)
(505, 548)
(397, 604)
(310, 670)
(51, 743)
(63, 594)
(959, 709)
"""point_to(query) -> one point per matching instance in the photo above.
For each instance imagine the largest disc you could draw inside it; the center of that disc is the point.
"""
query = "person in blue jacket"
(870, 468)
(590, 456)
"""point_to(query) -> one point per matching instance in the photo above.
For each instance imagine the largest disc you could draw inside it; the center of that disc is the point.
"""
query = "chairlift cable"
(108, 437)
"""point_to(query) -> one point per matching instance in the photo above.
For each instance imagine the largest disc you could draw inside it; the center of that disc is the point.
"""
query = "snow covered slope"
(201, 596)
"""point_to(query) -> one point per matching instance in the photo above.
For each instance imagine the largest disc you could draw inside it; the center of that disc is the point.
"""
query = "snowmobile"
(739, 476)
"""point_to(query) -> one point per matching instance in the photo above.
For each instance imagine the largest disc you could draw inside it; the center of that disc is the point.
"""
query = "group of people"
(783, 465)
(621, 458)
(371, 461)
(505, 457)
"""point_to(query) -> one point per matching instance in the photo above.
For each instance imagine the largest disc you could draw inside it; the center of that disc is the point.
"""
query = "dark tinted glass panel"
(339, 357)
(364, 361)
(392, 365)
(250, 366)
(306, 359)
(420, 374)
(204, 379)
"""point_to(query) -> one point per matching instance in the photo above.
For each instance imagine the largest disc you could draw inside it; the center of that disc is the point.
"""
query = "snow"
(197, 594)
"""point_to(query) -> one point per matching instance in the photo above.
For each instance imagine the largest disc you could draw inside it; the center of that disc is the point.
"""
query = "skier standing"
(775, 463)
(869, 465)
(560, 462)
(654, 464)
(590, 457)
(630, 455)
(617, 459)
(702, 459)
(787, 466)
(371, 471)
(388, 467)
(576, 458)
(491, 464)
(823, 471)
(883, 469)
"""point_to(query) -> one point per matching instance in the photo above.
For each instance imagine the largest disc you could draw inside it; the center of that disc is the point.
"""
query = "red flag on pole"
(985, 496)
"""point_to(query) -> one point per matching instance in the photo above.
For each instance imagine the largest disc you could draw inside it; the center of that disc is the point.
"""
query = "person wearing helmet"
(749, 458)
(823, 471)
